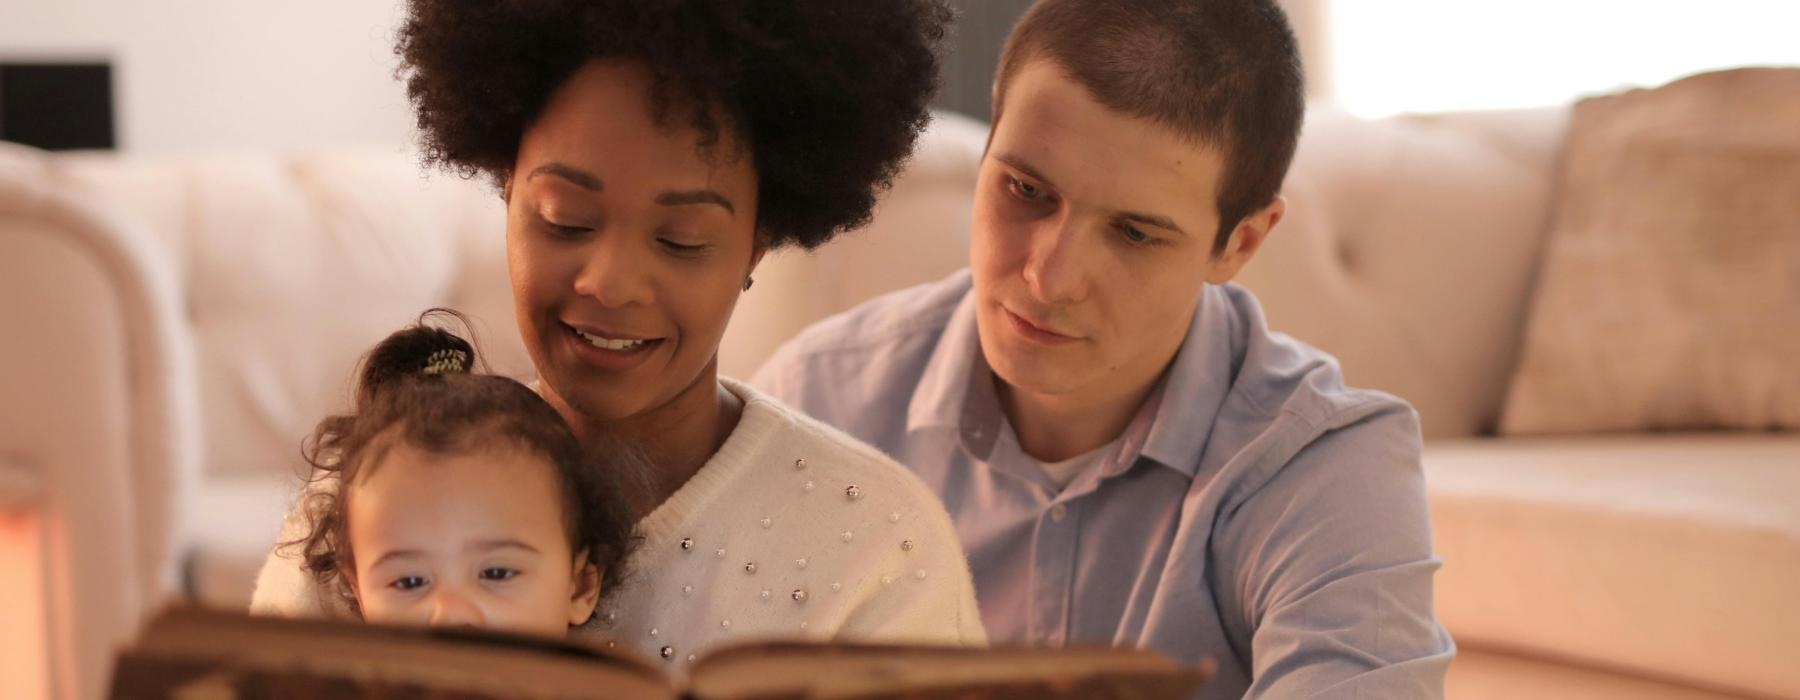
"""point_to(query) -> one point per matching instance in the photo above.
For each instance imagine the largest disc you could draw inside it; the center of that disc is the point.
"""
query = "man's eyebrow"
(1152, 220)
(576, 176)
(1020, 165)
(685, 197)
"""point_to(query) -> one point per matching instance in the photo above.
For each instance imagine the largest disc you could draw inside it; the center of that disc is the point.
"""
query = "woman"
(649, 154)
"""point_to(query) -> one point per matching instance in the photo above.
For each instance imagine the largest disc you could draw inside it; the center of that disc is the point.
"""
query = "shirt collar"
(1196, 384)
(956, 389)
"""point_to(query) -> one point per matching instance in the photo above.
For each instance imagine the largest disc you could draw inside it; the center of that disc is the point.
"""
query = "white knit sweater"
(792, 530)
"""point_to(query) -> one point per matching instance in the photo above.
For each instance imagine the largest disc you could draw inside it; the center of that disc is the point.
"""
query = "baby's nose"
(453, 609)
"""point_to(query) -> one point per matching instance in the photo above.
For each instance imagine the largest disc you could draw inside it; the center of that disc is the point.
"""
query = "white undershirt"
(1063, 473)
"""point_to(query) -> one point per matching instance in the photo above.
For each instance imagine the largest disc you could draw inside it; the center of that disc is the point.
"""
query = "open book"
(192, 653)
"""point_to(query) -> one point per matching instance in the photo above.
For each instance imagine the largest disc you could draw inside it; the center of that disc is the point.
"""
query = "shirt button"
(1058, 512)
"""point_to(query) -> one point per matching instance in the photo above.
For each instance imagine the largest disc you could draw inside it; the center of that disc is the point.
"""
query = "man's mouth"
(1035, 330)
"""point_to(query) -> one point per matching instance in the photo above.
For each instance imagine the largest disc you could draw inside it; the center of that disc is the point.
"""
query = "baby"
(460, 498)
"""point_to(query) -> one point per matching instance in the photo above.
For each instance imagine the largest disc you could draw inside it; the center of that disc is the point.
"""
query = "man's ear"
(585, 587)
(1245, 240)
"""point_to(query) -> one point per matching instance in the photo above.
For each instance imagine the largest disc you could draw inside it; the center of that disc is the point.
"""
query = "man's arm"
(1329, 567)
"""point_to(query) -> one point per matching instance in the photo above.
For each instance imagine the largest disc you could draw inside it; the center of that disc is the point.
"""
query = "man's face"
(627, 246)
(1092, 236)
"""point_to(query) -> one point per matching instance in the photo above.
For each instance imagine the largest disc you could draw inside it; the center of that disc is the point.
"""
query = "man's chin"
(1037, 375)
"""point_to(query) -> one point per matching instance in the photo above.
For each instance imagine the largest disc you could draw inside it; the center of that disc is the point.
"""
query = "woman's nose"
(615, 273)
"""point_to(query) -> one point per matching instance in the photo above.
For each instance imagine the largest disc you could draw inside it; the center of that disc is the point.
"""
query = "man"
(1130, 456)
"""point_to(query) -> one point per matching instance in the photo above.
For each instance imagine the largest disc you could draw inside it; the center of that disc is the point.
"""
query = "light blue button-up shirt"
(1255, 511)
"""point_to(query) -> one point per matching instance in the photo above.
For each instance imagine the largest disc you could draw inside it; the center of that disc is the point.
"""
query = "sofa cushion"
(1408, 252)
(1675, 556)
(1482, 675)
(1670, 290)
(291, 268)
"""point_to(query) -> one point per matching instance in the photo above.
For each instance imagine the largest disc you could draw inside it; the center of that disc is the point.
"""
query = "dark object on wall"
(57, 106)
(972, 53)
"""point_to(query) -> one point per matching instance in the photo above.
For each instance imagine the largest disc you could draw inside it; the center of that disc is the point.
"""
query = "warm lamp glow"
(24, 661)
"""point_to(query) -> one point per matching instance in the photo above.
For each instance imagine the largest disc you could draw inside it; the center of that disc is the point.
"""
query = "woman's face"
(627, 246)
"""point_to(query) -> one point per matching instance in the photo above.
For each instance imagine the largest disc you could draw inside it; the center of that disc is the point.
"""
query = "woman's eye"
(681, 248)
(407, 583)
(498, 573)
(561, 231)
(1024, 190)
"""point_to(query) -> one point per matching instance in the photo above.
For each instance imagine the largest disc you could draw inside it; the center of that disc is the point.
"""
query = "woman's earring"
(747, 282)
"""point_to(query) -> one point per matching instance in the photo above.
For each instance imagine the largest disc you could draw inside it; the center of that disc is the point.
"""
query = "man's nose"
(1052, 267)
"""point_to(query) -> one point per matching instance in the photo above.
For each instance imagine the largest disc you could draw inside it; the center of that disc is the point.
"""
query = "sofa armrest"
(99, 418)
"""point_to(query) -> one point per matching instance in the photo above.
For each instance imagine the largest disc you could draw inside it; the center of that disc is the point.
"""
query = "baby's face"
(466, 540)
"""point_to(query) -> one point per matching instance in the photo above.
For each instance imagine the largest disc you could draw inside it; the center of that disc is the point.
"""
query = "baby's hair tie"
(447, 361)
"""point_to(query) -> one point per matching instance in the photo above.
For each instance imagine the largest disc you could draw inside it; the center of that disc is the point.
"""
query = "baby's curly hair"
(420, 388)
(829, 96)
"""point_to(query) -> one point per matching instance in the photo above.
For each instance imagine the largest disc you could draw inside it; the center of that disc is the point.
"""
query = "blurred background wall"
(228, 75)
(223, 75)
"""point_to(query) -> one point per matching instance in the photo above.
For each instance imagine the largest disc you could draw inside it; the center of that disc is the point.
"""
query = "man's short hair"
(1225, 73)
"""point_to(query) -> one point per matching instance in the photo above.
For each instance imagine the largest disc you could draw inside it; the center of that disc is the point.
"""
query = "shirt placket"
(1056, 554)
(1055, 549)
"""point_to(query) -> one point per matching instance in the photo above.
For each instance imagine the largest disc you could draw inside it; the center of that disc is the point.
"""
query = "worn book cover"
(200, 654)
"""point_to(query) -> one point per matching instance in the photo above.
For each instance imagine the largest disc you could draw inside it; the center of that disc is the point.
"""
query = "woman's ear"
(584, 588)
(757, 250)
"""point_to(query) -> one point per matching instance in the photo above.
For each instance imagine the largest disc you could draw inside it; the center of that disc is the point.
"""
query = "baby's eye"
(498, 573)
(407, 583)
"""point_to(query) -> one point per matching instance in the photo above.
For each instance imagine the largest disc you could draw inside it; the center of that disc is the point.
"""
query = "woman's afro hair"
(828, 95)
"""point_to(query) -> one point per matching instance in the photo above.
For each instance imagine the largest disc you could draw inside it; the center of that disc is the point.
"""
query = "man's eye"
(1024, 190)
(1133, 235)
(407, 583)
(498, 573)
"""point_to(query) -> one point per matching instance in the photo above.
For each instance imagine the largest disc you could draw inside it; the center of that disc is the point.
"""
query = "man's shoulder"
(1279, 375)
(895, 331)
(884, 320)
(1289, 405)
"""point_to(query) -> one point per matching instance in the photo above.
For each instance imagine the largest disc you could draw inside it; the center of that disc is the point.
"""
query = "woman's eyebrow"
(686, 197)
(576, 176)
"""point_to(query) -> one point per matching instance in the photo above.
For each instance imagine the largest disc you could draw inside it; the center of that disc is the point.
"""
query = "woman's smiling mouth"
(624, 344)
(609, 349)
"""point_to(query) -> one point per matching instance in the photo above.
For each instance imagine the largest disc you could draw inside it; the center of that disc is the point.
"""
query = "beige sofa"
(175, 326)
